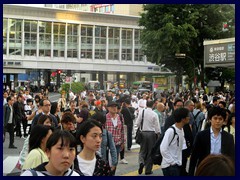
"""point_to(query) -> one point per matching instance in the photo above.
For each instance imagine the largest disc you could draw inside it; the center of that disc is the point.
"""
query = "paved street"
(10, 156)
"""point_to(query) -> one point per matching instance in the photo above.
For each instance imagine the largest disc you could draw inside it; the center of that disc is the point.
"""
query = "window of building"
(5, 28)
(72, 40)
(100, 42)
(58, 39)
(127, 44)
(15, 36)
(113, 43)
(45, 29)
(138, 55)
(86, 41)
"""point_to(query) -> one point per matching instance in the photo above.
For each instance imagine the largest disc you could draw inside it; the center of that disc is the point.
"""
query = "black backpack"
(155, 152)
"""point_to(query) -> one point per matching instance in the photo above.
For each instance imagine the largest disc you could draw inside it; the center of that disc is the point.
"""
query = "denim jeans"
(171, 171)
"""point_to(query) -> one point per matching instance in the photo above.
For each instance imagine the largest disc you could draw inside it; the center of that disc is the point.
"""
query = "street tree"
(168, 29)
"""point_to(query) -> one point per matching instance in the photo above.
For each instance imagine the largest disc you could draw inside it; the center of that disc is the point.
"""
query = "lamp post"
(182, 55)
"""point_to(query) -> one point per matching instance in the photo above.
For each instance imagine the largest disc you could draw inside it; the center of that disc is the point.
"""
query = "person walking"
(150, 129)
(128, 115)
(115, 126)
(45, 105)
(19, 112)
(9, 120)
(213, 140)
(171, 148)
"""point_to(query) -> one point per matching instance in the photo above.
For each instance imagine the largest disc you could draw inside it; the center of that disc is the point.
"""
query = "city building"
(40, 41)
(123, 9)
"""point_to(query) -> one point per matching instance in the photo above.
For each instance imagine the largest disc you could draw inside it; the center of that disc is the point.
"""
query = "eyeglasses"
(47, 105)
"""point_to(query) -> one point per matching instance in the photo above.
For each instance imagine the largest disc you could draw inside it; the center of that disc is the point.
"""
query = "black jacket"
(202, 148)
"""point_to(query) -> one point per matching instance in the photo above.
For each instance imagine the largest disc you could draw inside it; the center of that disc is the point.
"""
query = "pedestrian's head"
(45, 120)
(181, 114)
(68, 121)
(54, 107)
(216, 165)
(150, 103)
(46, 106)
(189, 104)
(84, 114)
(10, 100)
(90, 134)
(222, 104)
(178, 103)
(217, 117)
(112, 107)
(72, 104)
(61, 151)
(160, 107)
(39, 136)
(98, 116)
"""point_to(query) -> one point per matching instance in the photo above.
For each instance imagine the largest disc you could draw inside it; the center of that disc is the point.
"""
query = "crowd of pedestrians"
(88, 132)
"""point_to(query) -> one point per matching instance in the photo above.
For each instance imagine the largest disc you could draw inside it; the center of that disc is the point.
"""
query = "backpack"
(156, 153)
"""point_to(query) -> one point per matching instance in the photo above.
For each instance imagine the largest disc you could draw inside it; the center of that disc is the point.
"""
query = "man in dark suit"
(9, 120)
(213, 140)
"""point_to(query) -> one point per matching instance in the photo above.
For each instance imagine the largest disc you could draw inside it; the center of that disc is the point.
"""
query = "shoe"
(12, 147)
(148, 173)
(140, 170)
(123, 161)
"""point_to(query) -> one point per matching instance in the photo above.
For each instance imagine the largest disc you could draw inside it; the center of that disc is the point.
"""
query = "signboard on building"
(219, 53)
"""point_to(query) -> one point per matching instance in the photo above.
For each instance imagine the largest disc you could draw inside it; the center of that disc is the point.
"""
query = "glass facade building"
(43, 40)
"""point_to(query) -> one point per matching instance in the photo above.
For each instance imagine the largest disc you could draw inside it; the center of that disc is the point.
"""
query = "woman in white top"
(88, 162)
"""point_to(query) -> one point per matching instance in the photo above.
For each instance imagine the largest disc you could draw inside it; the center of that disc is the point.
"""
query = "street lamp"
(183, 55)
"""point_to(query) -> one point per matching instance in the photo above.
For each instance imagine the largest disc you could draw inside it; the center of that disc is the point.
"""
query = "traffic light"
(59, 71)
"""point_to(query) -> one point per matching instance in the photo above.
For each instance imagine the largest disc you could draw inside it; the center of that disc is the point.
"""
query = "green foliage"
(181, 28)
(75, 86)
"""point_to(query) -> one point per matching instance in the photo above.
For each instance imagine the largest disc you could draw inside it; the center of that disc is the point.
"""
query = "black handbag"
(138, 136)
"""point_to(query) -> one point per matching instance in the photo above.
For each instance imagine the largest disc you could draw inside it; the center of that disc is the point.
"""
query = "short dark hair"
(180, 113)
(177, 100)
(216, 111)
(42, 102)
(43, 118)
(67, 139)
(85, 127)
(9, 98)
(150, 103)
(223, 103)
(68, 117)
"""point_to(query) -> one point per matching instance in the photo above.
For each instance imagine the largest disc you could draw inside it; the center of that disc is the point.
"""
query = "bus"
(141, 85)
(93, 85)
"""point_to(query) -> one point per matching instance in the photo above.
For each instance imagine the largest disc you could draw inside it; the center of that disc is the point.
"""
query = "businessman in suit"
(9, 120)
(213, 140)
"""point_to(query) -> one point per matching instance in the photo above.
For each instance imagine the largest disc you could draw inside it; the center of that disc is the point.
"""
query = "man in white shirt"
(150, 128)
(171, 150)
(142, 103)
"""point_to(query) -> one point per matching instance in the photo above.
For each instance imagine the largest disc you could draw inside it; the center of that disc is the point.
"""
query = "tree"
(75, 86)
(181, 28)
